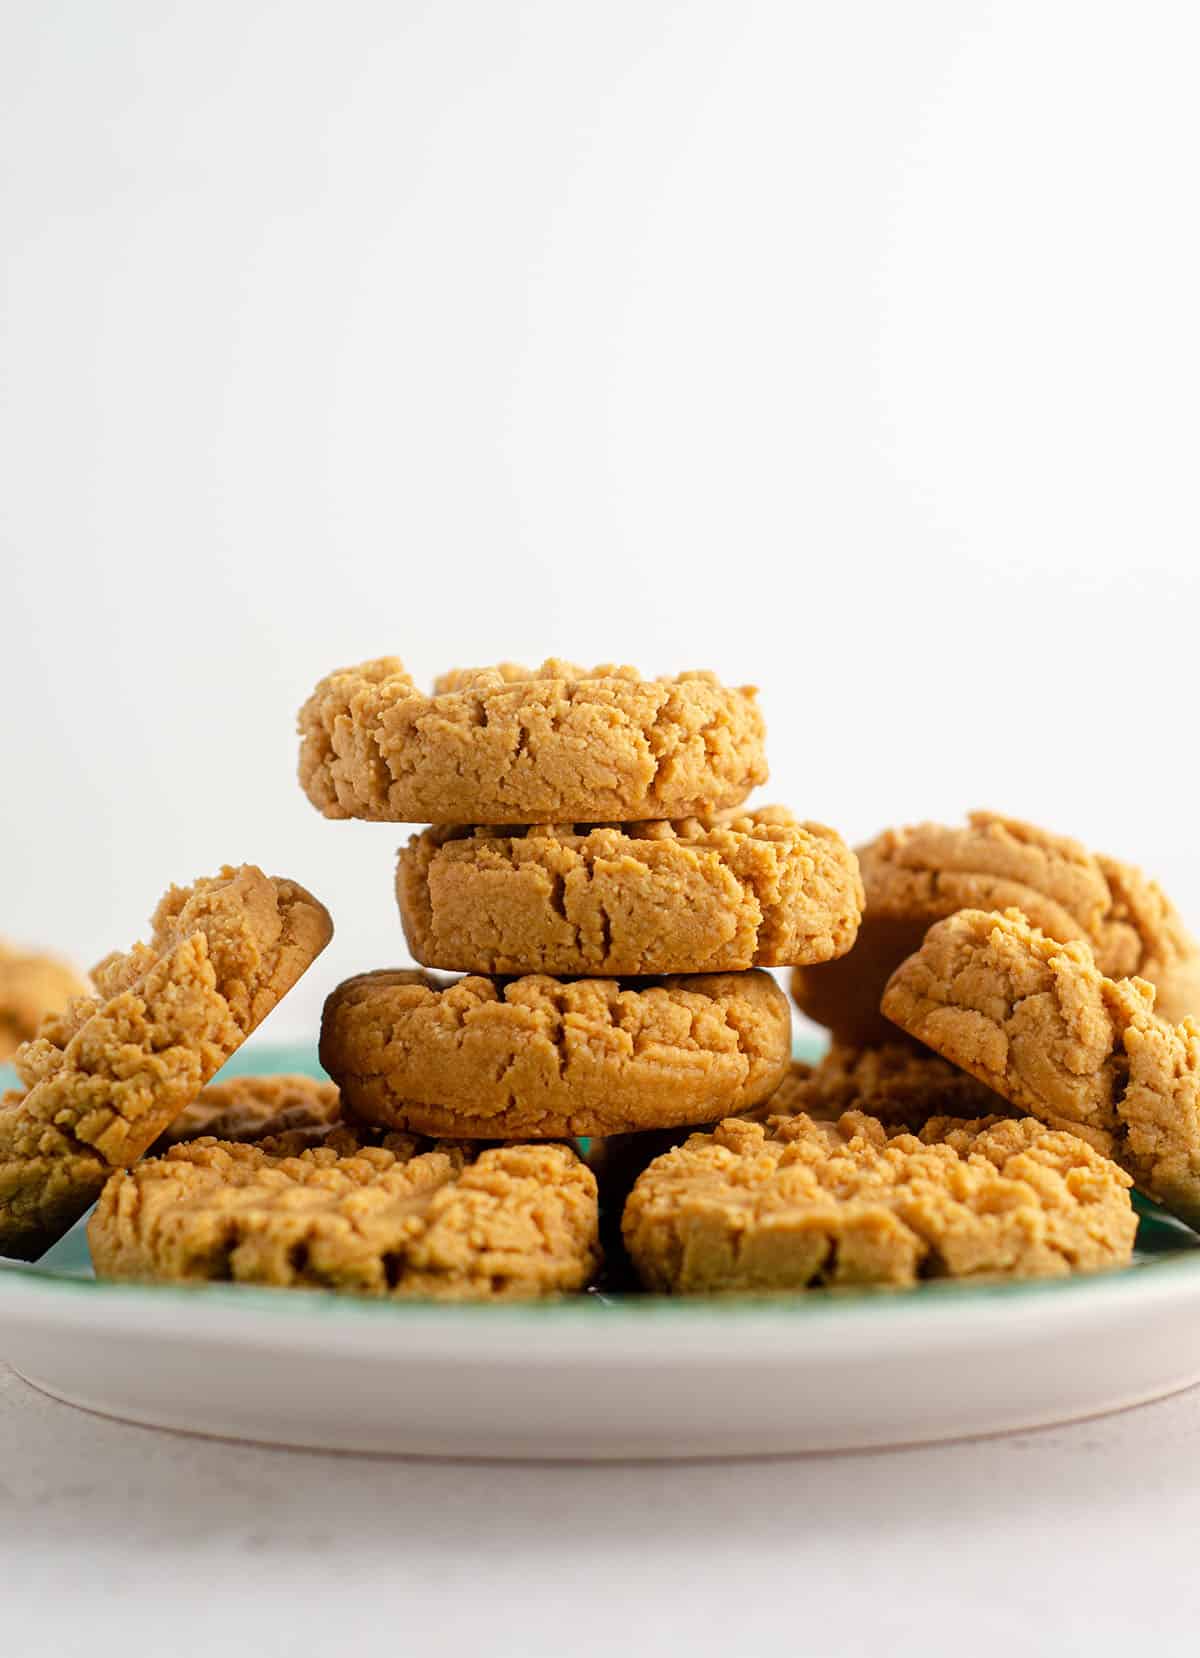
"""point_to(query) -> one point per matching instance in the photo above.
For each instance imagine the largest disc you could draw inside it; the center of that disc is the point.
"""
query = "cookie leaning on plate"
(897, 1082)
(399, 1219)
(918, 875)
(254, 1108)
(556, 744)
(540, 1058)
(1039, 1022)
(796, 1203)
(106, 1078)
(700, 895)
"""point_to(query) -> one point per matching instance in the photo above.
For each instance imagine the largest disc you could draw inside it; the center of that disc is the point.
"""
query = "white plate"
(620, 1377)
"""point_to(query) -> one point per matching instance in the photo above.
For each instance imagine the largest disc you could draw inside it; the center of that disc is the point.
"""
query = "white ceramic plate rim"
(591, 1327)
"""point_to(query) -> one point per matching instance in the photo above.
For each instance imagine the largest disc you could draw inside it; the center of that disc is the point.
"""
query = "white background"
(852, 350)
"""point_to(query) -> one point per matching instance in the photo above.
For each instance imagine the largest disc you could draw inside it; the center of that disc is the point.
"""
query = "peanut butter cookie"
(395, 1220)
(31, 986)
(916, 876)
(540, 1058)
(1039, 1022)
(898, 1082)
(799, 1203)
(104, 1079)
(701, 895)
(556, 744)
(258, 1108)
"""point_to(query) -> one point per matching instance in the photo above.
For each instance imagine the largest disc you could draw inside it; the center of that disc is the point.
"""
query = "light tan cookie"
(539, 1058)
(31, 986)
(696, 896)
(257, 1108)
(1038, 1022)
(918, 875)
(800, 1203)
(511, 1223)
(556, 744)
(897, 1082)
(618, 1159)
(104, 1079)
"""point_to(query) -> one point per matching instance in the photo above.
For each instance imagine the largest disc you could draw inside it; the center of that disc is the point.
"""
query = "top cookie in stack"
(507, 745)
(584, 832)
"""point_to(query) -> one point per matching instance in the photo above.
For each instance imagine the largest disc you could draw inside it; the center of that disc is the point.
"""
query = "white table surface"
(116, 1539)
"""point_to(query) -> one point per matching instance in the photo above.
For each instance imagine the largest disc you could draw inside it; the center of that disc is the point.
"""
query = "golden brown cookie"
(257, 1108)
(898, 1082)
(843, 995)
(540, 1058)
(618, 1160)
(701, 895)
(1037, 1021)
(793, 1095)
(104, 1079)
(919, 875)
(31, 986)
(556, 744)
(510, 1223)
(799, 1203)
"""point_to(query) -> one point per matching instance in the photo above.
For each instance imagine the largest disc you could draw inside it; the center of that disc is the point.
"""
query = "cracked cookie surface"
(798, 1203)
(398, 1219)
(693, 896)
(556, 744)
(1039, 1022)
(897, 1082)
(255, 1108)
(104, 1079)
(32, 985)
(918, 875)
(536, 1057)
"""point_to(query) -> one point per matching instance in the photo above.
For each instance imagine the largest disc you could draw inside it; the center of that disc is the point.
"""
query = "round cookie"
(897, 1082)
(396, 1220)
(701, 895)
(541, 1058)
(555, 744)
(1039, 1023)
(918, 875)
(104, 1079)
(799, 1203)
(31, 986)
(250, 1109)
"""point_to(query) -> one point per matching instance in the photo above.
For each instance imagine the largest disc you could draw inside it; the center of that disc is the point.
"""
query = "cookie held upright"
(1039, 1022)
(106, 1078)
(921, 874)
(557, 744)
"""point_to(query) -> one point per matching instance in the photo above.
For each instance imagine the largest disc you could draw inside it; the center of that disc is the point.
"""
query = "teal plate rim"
(1167, 1251)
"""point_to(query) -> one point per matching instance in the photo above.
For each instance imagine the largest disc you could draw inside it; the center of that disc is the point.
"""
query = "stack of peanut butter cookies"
(591, 873)
(592, 1057)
